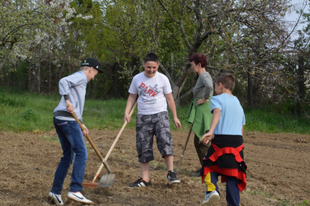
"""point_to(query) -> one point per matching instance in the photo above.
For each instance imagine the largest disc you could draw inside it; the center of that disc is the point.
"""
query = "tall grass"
(31, 112)
(272, 122)
(22, 111)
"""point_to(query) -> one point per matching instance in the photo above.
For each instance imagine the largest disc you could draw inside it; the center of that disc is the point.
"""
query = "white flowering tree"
(35, 31)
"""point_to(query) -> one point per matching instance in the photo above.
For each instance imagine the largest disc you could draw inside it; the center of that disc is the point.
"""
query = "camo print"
(146, 127)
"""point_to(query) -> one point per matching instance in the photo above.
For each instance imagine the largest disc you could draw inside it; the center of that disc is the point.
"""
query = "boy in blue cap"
(73, 91)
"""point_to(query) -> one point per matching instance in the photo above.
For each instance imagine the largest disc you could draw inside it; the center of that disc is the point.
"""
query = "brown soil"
(278, 170)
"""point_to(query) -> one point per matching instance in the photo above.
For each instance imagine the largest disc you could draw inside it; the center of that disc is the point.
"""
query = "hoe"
(106, 180)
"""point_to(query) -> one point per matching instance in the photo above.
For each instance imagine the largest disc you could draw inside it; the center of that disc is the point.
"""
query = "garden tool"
(181, 157)
(104, 179)
(109, 178)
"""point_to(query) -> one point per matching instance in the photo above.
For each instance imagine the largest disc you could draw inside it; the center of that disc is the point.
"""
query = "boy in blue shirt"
(225, 156)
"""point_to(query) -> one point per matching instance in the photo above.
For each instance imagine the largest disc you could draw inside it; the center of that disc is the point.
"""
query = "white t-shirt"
(151, 91)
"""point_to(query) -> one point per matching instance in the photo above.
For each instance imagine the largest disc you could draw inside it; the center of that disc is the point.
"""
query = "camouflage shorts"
(146, 127)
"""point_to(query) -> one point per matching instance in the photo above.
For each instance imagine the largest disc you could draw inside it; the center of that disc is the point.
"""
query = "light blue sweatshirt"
(74, 86)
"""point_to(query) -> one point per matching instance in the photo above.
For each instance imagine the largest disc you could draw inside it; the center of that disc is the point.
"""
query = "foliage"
(29, 114)
(248, 38)
(25, 23)
(222, 30)
(13, 101)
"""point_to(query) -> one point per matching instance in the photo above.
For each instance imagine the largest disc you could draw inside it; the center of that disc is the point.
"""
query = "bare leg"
(145, 166)
(169, 162)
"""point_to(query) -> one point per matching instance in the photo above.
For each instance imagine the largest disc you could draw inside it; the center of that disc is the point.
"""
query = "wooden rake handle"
(111, 148)
(92, 144)
(119, 133)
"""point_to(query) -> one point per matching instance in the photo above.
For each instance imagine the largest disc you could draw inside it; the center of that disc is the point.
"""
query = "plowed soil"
(278, 170)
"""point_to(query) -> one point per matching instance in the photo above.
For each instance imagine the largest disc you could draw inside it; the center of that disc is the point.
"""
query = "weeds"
(287, 203)
(13, 101)
(282, 202)
(156, 165)
(29, 114)
(259, 192)
(52, 139)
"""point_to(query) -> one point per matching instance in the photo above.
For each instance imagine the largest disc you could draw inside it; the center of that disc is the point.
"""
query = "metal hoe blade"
(107, 180)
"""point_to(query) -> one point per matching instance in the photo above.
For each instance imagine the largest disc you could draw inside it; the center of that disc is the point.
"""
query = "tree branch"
(187, 93)
(166, 73)
(168, 12)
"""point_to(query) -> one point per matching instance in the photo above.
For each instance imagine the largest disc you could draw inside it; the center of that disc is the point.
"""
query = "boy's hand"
(70, 107)
(177, 122)
(201, 101)
(85, 130)
(206, 137)
(127, 118)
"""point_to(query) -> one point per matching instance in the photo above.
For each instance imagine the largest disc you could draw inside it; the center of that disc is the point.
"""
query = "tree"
(243, 36)
(24, 26)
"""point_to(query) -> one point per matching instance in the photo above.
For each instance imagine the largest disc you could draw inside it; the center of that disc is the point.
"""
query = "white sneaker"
(211, 198)
(78, 196)
(56, 198)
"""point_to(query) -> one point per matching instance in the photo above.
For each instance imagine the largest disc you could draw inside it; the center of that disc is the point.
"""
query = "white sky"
(292, 17)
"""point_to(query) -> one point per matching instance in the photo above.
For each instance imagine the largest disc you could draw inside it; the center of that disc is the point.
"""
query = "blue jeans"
(72, 143)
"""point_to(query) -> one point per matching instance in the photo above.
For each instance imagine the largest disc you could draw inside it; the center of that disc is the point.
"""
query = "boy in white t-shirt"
(154, 92)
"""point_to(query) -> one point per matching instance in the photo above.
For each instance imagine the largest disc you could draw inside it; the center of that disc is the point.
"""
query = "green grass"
(287, 203)
(31, 112)
(280, 202)
(22, 111)
(271, 122)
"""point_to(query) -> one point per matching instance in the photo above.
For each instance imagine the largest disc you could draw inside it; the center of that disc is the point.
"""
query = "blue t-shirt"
(232, 116)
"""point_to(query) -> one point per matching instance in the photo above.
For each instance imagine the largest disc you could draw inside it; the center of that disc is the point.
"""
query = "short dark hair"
(151, 57)
(199, 58)
(227, 79)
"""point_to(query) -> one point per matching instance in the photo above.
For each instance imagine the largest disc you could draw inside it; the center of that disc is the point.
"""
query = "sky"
(292, 17)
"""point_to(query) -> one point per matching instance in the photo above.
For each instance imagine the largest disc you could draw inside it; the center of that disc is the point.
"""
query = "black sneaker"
(172, 177)
(140, 183)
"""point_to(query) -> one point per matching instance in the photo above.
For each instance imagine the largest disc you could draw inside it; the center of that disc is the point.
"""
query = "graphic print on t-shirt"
(147, 93)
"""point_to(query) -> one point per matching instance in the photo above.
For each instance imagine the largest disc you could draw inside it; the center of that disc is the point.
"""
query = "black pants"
(201, 148)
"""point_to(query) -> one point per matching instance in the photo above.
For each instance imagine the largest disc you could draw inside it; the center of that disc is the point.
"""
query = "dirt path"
(278, 170)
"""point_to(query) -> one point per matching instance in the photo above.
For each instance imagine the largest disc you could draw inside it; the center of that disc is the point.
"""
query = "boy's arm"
(130, 101)
(172, 108)
(215, 119)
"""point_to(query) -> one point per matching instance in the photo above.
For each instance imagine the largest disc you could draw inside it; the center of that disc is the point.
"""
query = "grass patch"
(283, 202)
(52, 139)
(156, 165)
(272, 122)
(287, 203)
(259, 192)
(23, 111)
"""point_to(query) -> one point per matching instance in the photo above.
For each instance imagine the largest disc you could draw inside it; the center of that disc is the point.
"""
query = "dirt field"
(278, 170)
